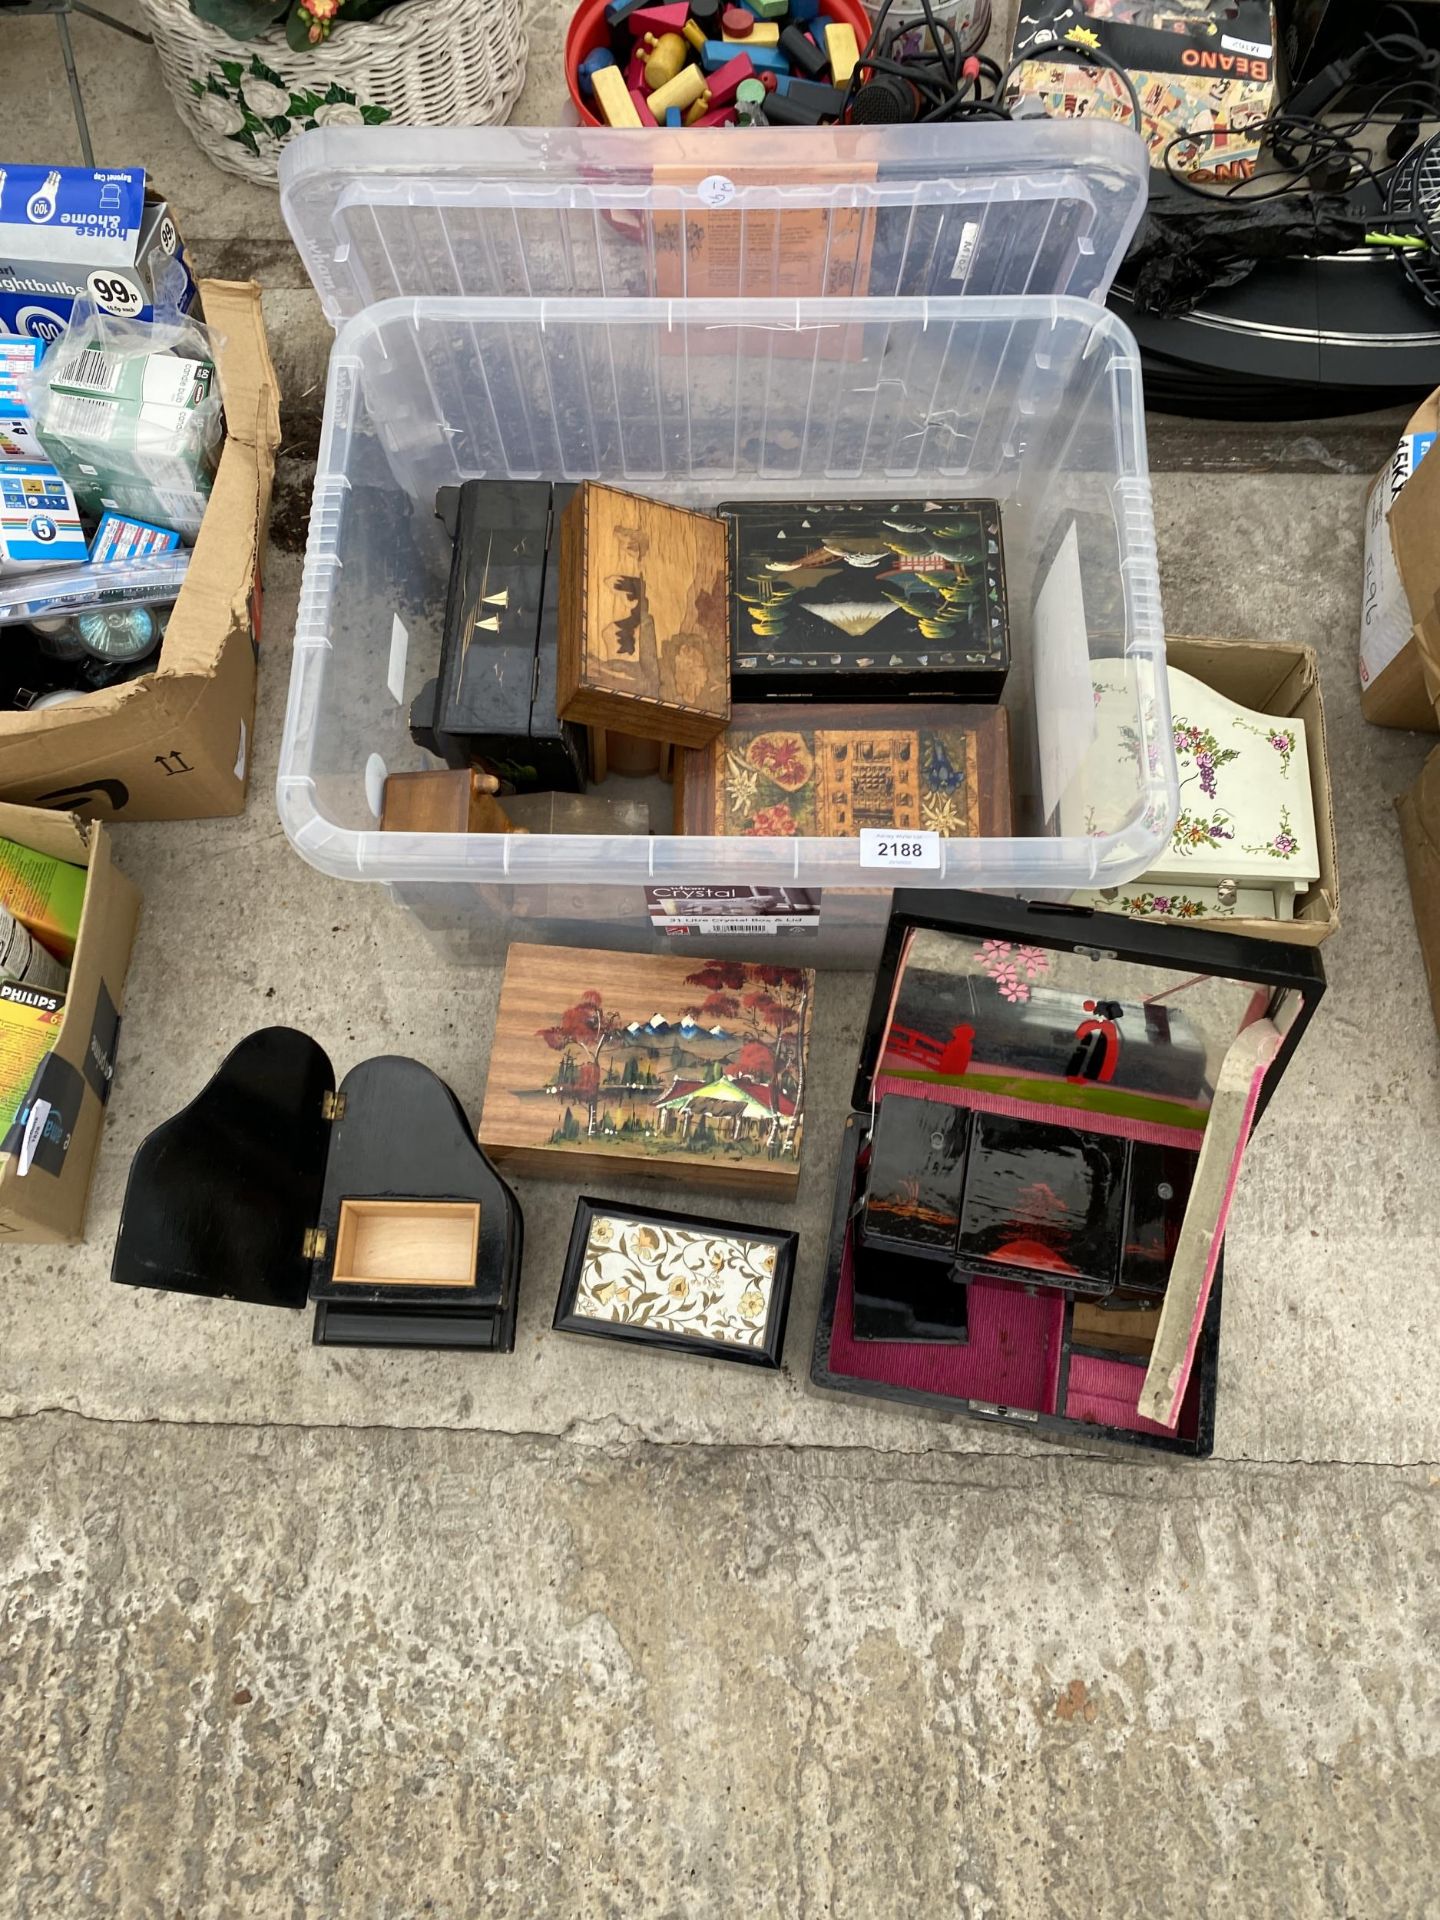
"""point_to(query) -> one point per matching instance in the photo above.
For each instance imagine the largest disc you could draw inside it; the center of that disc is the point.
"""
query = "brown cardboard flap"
(1415, 518)
(61, 835)
(41, 1205)
(1419, 811)
(247, 373)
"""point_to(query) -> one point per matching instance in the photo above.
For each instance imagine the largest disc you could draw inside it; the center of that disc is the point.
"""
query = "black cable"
(1324, 143)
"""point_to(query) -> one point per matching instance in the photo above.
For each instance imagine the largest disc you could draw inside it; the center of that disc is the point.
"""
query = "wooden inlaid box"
(644, 617)
(679, 1067)
(831, 771)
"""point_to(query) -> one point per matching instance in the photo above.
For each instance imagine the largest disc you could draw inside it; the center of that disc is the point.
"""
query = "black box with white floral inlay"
(673, 1280)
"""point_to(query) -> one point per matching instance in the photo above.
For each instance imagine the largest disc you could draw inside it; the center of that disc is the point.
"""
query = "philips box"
(19, 357)
(68, 231)
(39, 523)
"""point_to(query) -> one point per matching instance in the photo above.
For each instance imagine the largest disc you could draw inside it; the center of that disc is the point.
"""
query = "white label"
(240, 755)
(34, 1128)
(716, 912)
(167, 235)
(399, 653)
(115, 293)
(716, 190)
(969, 234)
(1385, 623)
(94, 370)
(892, 847)
(1064, 691)
(1256, 49)
(376, 774)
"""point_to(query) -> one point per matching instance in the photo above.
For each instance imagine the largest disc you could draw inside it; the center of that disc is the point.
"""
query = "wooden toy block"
(695, 35)
(665, 57)
(658, 20)
(612, 97)
(699, 114)
(682, 91)
(673, 117)
(762, 33)
(843, 49)
(724, 80)
(590, 66)
(803, 52)
(768, 9)
(647, 118)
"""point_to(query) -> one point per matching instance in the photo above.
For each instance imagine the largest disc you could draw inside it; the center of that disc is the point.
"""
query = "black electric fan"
(1413, 198)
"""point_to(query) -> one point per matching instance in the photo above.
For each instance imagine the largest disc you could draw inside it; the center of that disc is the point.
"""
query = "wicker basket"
(422, 63)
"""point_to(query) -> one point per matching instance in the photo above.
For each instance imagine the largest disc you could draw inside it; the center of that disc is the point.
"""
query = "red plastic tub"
(588, 31)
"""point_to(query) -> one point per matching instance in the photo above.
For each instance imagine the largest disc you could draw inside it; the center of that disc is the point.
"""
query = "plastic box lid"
(1005, 208)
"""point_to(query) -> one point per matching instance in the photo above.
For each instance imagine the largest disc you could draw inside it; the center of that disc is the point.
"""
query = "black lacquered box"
(1048, 1123)
(371, 1200)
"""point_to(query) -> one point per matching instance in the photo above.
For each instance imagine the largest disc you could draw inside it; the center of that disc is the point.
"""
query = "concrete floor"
(293, 1634)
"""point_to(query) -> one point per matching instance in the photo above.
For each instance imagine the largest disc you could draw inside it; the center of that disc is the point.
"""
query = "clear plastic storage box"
(811, 314)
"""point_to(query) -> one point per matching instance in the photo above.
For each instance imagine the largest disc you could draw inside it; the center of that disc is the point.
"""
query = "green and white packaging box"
(135, 433)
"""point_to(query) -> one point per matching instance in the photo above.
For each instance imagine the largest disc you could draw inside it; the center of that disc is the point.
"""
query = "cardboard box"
(68, 231)
(19, 357)
(57, 1134)
(1282, 678)
(175, 744)
(1402, 577)
(1419, 811)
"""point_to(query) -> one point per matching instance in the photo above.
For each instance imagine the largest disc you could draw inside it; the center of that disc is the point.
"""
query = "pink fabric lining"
(1186, 1138)
(1012, 1358)
(1108, 1391)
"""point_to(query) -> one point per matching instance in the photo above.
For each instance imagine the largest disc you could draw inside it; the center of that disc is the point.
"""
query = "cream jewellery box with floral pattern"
(672, 1280)
(1251, 841)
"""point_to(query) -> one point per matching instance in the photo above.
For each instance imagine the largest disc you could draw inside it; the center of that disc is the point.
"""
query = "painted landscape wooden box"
(1048, 1122)
(688, 1069)
(827, 771)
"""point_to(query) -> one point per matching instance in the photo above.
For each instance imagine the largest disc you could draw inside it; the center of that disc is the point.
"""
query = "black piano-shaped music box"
(492, 703)
(1049, 1119)
(372, 1200)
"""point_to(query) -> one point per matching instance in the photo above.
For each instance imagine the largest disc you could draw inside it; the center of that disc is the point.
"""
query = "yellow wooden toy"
(612, 96)
(664, 58)
(843, 49)
(687, 85)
